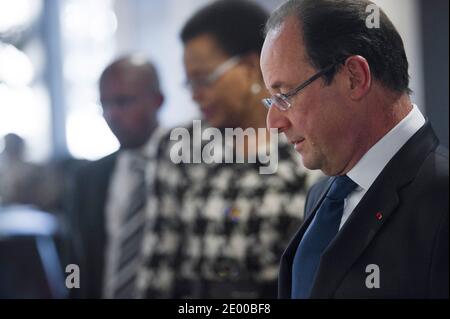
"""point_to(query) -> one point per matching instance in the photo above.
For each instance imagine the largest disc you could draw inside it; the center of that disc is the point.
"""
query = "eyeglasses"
(208, 80)
(281, 101)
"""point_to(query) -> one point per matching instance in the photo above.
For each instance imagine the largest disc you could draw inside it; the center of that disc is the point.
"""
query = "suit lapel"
(101, 177)
(104, 170)
(353, 238)
(363, 224)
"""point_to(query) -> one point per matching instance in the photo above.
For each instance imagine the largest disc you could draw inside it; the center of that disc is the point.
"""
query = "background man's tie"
(131, 234)
(318, 236)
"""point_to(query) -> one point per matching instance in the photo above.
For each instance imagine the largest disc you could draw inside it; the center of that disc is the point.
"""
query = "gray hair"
(333, 30)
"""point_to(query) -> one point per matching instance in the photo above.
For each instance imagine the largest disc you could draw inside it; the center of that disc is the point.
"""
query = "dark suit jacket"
(409, 244)
(87, 223)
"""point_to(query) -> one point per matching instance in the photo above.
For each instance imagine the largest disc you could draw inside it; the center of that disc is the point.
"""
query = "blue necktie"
(318, 236)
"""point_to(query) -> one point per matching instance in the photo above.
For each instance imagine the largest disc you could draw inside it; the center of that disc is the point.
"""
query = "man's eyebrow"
(276, 86)
(279, 85)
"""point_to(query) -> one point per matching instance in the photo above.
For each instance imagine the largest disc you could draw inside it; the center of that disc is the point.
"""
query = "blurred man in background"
(109, 195)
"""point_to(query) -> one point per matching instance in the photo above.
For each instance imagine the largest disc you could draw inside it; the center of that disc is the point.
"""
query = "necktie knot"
(341, 188)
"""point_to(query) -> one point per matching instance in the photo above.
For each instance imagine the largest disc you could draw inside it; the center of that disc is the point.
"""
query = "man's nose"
(277, 119)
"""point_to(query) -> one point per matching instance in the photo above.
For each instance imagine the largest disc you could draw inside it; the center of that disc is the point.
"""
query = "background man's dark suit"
(88, 222)
(410, 243)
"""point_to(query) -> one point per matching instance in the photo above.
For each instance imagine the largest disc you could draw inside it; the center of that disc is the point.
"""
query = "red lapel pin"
(379, 216)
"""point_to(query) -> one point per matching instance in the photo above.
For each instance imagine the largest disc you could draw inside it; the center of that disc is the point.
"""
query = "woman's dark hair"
(236, 25)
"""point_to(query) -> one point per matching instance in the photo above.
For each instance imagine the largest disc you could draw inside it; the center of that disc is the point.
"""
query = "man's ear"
(359, 76)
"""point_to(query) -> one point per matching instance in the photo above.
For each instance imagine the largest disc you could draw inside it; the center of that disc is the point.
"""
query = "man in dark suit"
(105, 189)
(378, 227)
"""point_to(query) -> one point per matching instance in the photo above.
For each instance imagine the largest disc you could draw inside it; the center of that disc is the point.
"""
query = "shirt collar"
(373, 162)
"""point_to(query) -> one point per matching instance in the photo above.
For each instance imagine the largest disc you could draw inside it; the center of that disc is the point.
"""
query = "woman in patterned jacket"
(218, 229)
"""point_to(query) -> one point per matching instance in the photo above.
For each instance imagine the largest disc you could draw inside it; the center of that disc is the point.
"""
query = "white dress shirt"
(365, 172)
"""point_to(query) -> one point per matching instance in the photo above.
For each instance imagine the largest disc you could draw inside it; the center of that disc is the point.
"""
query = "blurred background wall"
(52, 53)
